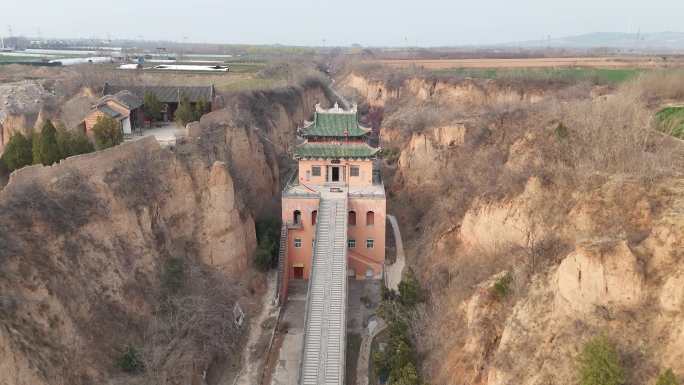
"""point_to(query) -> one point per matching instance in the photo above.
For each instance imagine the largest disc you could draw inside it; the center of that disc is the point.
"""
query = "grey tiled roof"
(128, 99)
(109, 111)
(124, 98)
(165, 94)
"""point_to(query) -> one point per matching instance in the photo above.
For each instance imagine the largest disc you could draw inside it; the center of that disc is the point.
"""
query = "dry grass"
(660, 85)
(592, 62)
(193, 328)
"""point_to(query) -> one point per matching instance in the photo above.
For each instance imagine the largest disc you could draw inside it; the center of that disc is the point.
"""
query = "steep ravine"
(589, 253)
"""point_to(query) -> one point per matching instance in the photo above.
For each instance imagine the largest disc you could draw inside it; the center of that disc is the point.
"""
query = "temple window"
(297, 217)
(352, 218)
(351, 243)
(298, 242)
(370, 243)
(316, 170)
(354, 171)
(370, 218)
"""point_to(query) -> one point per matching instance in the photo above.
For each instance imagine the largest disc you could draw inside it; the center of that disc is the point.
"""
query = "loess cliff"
(139, 253)
(255, 135)
(85, 247)
(562, 192)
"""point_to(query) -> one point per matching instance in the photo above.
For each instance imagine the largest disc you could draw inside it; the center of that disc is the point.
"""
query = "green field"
(671, 120)
(245, 67)
(16, 59)
(594, 75)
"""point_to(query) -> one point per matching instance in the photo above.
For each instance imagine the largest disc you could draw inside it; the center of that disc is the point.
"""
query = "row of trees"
(46, 147)
(53, 144)
(398, 363)
(184, 114)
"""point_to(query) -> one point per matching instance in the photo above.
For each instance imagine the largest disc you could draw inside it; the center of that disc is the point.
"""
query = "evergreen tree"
(599, 363)
(107, 132)
(410, 292)
(73, 143)
(667, 378)
(152, 106)
(35, 147)
(184, 113)
(64, 142)
(18, 152)
(48, 149)
(80, 144)
(407, 375)
(201, 108)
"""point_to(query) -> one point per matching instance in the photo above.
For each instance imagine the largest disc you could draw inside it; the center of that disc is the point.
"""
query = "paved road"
(286, 371)
(364, 353)
(394, 271)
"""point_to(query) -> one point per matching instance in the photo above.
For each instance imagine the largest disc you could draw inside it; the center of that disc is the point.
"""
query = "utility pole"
(9, 38)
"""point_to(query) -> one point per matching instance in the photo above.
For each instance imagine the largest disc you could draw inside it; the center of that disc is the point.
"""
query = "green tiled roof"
(334, 125)
(331, 150)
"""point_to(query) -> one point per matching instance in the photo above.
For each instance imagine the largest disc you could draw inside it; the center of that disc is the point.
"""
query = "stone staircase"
(323, 360)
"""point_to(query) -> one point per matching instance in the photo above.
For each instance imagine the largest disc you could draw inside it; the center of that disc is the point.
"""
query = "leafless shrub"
(417, 117)
(137, 180)
(613, 135)
(192, 328)
(70, 204)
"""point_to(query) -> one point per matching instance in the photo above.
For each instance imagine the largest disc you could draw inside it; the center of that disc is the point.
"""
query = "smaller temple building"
(334, 157)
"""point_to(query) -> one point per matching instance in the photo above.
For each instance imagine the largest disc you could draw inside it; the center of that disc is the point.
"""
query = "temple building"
(335, 164)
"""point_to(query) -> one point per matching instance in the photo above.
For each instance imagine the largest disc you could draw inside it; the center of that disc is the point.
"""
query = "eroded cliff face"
(25, 105)
(466, 92)
(618, 280)
(503, 191)
(85, 247)
(21, 108)
(255, 135)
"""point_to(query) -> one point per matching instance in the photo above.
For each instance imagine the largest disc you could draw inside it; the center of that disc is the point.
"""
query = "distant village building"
(335, 158)
(169, 96)
(125, 104)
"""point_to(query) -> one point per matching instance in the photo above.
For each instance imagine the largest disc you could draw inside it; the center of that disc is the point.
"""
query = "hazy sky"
(308, 22)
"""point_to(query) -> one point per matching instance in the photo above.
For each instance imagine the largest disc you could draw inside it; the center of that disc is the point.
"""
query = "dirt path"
(254, 356)
(394, 271)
